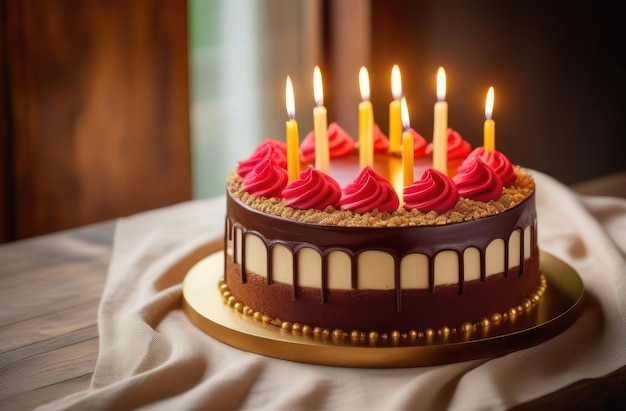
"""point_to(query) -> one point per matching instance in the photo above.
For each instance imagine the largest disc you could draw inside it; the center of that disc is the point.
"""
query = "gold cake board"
(559, 308)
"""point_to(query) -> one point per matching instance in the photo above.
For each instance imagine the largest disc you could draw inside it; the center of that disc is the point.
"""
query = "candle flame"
(318, 89)
(289, 99)
(441, 84)
(396, 82)
(404, 114)
(489, 103)
(364, 84)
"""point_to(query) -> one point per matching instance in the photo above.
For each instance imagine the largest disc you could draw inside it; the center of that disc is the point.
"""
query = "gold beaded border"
(375, 338)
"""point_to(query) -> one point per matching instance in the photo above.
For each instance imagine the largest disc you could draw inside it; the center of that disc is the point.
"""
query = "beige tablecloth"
(152, 356)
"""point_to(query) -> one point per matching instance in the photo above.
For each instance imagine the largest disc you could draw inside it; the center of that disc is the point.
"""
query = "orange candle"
(293, 155)
(366, 122)
(320, 124)
(395, 120)
(407, 146)
(440, 126)
(489, 128)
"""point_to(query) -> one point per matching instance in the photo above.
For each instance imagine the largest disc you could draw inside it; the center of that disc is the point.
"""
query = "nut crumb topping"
(464, 210)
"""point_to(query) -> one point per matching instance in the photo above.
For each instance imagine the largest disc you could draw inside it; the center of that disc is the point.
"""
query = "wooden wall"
(95, 111)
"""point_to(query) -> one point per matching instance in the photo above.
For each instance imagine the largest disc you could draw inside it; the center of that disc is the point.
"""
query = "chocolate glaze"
(397, 241)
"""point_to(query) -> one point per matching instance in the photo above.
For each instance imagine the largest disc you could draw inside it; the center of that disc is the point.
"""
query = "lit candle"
(440, 126)
(320, 123)
(489, 129)
(366, 122)
(395, 121)
(407, 145)
(293, 157)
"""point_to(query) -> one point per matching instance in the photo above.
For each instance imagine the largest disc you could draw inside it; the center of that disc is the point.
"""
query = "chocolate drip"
(397, 241)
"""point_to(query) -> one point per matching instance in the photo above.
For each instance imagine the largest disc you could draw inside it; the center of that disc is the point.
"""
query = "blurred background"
(108, 108)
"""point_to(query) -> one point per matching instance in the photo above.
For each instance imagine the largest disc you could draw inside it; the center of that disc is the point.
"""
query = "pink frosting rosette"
(434, 191)
(339, 143)
(266, 179)
(367, 192)
(477, 181)
(313, 189)
(496, 160)
(457, 147)
(275, 150)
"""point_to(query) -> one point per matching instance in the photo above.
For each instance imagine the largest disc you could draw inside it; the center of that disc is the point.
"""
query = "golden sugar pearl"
(395, 336)
(296, 328)
(429, 333)
(535, 297)
(286, 325)
(443, 331)
(223, 286)
(231, 301)
(484, 322)
(336, 334)
(247, 310)
(496, 318)
(520, 309)
(257, 316)
(266, 319)
(355, 335)
(307, 330)
(526, 304)
(466, 327)
(413, 335)
(512, 312)
(239, 307)
(317, 331)
(373, 336)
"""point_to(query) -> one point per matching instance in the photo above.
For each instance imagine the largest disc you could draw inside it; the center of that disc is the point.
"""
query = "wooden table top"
(50, 288)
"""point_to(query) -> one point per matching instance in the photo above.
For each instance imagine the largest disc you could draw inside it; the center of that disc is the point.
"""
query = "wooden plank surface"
(50, 288)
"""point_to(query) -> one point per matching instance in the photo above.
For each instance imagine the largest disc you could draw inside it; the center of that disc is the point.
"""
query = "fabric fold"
(152, 357)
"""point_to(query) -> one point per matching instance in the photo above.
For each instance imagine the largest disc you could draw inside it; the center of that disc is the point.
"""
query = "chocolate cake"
(349, 254)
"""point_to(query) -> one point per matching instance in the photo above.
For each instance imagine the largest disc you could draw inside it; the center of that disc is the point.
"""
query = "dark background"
(557, 68)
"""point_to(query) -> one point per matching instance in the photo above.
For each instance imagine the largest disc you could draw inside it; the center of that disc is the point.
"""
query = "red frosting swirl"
(496, 160)
(266, 179)
(273, 149)
(477, 181)
(314, 189)
(367, 192)
(435, 191)
(339, 143)
(457, 147)
(381, 142)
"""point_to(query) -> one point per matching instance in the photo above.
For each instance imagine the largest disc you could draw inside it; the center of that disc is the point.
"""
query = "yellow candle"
(489, 128)
(407, 146)
(395, 121)
(366, 122)
(440, 126)
(320, 124)
(293, 155)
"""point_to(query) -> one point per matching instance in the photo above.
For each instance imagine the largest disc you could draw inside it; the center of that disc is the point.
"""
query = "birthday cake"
(353, 254)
